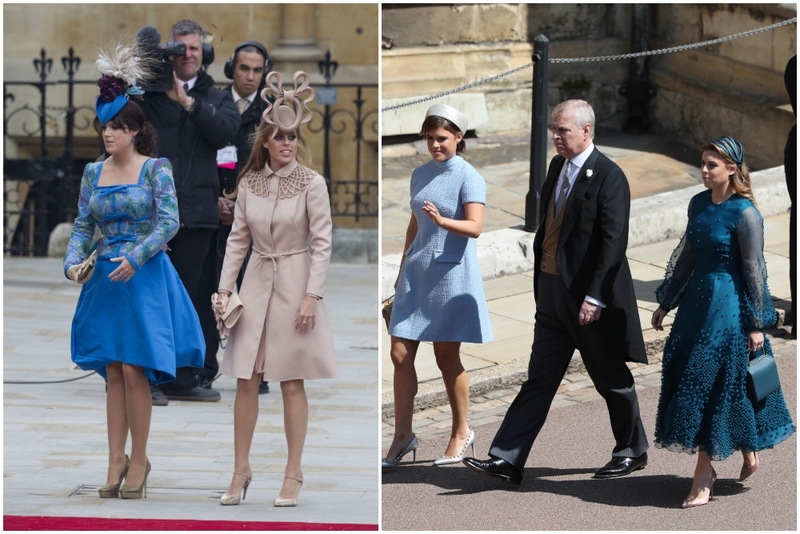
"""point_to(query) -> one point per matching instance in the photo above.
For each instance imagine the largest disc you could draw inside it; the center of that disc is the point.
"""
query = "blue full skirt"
(149, 322)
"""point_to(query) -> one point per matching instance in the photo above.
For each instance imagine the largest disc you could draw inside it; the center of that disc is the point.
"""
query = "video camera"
(149, 41)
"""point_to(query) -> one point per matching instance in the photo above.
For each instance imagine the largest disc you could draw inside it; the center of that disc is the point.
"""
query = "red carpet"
(18, 522)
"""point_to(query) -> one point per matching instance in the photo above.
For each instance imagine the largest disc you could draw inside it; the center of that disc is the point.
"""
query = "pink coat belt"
(274, 255)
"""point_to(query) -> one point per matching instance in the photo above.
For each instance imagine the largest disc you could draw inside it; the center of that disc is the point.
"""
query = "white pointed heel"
(444, 460)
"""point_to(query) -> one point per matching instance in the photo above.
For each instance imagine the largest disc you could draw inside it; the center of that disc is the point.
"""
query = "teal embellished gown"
(717, 278)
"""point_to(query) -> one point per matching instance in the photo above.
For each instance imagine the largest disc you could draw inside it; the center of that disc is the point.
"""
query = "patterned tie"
(242, 103)
(562, 191)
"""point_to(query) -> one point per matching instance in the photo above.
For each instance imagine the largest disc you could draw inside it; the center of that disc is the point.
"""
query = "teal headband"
(731, 147)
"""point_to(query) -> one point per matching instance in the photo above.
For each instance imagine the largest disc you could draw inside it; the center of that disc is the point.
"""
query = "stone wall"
(437, 48)
(734, 88)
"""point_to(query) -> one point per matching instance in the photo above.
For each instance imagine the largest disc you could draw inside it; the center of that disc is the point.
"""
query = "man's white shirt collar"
(190, 83)
(237, 96)
(581, 158)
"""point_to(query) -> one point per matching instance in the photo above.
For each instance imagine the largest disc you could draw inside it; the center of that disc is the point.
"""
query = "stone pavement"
(558, 493)
(54, 440)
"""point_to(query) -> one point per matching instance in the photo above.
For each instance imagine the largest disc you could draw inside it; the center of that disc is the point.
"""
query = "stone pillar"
(297, 48)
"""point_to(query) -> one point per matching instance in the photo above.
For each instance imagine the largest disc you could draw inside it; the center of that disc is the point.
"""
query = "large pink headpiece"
(281, 113)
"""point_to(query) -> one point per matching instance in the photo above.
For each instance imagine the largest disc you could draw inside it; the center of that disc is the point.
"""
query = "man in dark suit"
(584, 299)
(247, 67)
(193, 120)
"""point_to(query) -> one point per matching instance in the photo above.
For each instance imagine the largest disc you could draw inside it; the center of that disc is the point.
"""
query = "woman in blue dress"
(718, 276)
(134, 321)
(439, 290)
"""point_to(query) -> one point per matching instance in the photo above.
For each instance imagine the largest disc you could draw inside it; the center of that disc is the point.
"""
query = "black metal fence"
(356, 196)
(41, 192)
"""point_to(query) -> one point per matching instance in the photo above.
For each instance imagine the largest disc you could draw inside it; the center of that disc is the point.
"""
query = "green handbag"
(762, 376)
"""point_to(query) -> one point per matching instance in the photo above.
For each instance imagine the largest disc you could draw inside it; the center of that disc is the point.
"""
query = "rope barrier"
(669, 50)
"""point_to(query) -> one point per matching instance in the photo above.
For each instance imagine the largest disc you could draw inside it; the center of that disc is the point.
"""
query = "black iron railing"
(355, 196)
(51, 183)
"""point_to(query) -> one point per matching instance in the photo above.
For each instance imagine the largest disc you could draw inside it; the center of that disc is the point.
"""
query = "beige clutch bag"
(386, 311)
(225, 321)
(82, 272)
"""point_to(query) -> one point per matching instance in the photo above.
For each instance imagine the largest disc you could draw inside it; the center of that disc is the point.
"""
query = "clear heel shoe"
(411, 447)
(111, 491)
(692, 502)
(232, 500)
(444, 460)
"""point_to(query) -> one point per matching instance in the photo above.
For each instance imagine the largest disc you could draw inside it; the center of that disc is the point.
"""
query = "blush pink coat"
(279, 211)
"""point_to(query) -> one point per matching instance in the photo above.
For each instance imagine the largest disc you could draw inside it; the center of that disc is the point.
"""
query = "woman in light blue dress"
(717, 278)
(134, 321)
(439, 290)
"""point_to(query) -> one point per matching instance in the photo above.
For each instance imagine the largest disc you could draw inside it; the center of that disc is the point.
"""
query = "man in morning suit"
(584, 299)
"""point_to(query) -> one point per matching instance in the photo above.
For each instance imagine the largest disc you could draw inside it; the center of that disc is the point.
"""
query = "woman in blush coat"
(283, 331)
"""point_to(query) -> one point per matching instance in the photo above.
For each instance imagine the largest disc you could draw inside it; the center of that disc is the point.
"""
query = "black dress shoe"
(159, 399)
(495, 467)
(263, 387)
(621, 466)
(195, 394)
(204, 382)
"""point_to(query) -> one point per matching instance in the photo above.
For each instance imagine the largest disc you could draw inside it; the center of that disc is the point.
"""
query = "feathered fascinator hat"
(288, 111)
(122, 67)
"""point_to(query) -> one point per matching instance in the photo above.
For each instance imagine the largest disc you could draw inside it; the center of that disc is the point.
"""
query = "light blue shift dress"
(439, 295)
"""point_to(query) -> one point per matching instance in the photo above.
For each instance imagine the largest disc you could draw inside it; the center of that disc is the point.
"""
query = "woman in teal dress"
(134, 321)
(718, 277)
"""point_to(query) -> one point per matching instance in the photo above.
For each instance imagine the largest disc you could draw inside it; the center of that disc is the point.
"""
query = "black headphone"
(208, 53)
(229, 65)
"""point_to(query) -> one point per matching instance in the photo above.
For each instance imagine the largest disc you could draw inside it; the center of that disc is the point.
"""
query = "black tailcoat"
(591, 248)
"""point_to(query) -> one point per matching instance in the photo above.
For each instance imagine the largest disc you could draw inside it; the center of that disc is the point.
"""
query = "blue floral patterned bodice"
(136, 220)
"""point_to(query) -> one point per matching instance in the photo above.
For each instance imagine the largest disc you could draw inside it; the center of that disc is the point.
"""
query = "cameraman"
(247, 67)
(193, 120)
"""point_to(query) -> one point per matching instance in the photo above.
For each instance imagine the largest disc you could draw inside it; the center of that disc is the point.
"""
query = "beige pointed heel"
(748, 470)
(232, 500)
(287, 502)
(692, 502)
